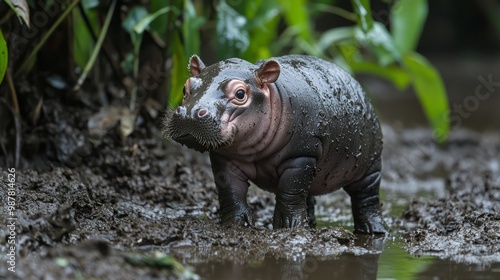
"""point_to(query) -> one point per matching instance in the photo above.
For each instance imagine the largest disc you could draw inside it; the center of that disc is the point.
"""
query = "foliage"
(20, 7)
(260, 29)
(4, 56)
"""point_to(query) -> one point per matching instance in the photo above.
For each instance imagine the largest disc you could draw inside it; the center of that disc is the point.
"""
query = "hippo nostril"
(202, 113)
(181, 110)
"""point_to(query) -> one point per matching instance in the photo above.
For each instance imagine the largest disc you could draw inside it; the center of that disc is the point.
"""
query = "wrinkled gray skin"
(295, 125)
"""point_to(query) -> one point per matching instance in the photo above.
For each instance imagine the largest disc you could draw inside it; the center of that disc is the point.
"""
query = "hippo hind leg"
(365, 202)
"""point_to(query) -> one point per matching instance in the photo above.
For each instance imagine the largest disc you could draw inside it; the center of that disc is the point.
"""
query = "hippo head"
(223, 103)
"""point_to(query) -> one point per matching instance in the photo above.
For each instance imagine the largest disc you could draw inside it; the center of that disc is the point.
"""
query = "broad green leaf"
(191, 29)
(350, 52)
(363, 14)
(407, 21)
(21, 8)
(143, 24)
(232, 36)
(261, 15)
(335, 36)
(397, 76)
(297, 17)
(159, 24)
(4, 57)
(263, 19)
(261, 40)
(179, 72)
(380, 42)
(431, 92)
(83, 43)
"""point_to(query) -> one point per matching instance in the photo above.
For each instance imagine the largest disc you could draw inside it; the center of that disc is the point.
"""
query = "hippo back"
(328, 104)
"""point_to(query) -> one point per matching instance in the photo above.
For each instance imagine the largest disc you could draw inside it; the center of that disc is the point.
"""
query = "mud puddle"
(122, 210)
(389, 262)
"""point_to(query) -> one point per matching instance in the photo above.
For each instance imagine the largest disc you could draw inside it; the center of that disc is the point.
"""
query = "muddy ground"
(101, 211)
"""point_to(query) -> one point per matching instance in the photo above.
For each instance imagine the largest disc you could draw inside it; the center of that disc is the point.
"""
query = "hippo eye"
(240, 94)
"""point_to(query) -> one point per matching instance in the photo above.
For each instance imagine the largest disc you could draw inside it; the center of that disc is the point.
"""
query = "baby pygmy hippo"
(295, 125)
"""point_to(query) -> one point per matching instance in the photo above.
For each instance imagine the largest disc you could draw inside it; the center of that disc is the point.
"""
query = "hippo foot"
(289, 219)
(370, 222)
(238, 216)
(366, 203)
(290, 215)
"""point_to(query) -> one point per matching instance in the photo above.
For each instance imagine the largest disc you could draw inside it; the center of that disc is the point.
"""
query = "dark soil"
(103, 210)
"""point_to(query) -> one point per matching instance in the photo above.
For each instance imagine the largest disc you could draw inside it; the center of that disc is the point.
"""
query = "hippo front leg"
(291, 197)
(232, 187)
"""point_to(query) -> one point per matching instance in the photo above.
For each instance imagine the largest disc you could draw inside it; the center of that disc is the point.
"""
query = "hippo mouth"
(200, 135)
(191, 142)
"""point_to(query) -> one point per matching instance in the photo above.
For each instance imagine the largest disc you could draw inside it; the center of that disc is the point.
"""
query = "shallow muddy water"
(389, 262)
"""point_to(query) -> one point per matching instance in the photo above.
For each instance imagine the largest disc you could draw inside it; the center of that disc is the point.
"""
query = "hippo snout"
(196, 128)
(198, 113)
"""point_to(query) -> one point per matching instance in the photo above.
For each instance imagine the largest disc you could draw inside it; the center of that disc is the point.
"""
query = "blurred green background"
(142, 47)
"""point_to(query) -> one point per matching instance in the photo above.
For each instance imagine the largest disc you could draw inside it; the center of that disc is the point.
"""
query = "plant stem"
(37, 48)
(97, 48)
(17, 118)
(336, 11)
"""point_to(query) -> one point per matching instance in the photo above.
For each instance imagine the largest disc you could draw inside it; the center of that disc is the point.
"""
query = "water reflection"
(362, 263)
(372, 258)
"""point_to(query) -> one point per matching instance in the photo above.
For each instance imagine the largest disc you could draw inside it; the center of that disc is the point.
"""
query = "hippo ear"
(195, 65)
(268, 72)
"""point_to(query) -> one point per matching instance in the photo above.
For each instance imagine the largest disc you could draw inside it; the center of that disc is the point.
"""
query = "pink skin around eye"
(232, 87)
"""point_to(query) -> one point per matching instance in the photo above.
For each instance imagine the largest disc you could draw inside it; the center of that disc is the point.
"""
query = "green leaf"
(431, 92)
(134, 16)
(335, 36)
(407, 21)
(363, 14)
(191, 29)
(380, 42)
(397, 76)
(297, 17)
(350, 52)
(4, 56)
(263, 19)
(232, 36)
(160, 24)
(179, 72)
(143, 24)
(83, 43)
(21, 8)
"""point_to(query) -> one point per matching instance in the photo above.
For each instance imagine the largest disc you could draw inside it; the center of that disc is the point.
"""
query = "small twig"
(98, 45)
(133, 93)
(37, 48)
(6, 16)
(13, 93)
(17, 118)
